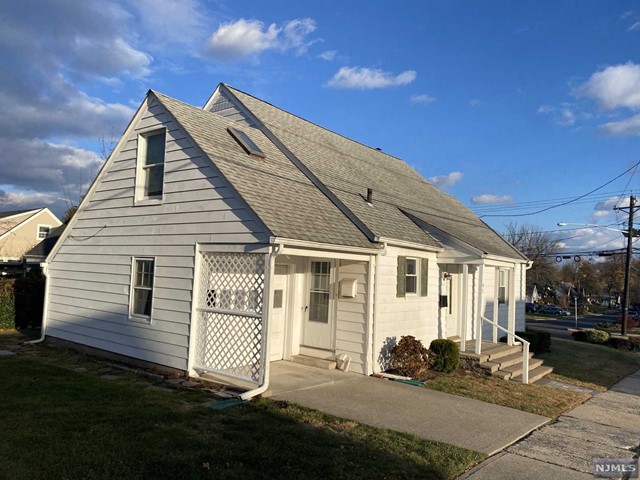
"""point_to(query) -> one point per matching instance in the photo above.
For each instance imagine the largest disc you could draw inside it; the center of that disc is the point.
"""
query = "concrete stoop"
(505, 361)
(314, 362)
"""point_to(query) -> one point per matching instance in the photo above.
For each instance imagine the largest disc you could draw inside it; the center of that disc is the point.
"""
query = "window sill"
(148, 201)
(140, 319)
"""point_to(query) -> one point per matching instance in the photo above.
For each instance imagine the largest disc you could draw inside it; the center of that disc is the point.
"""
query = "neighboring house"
(217, 238)
(39, 253)
(22, 230)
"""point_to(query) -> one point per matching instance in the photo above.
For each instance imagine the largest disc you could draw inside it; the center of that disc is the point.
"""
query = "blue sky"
(509, 106)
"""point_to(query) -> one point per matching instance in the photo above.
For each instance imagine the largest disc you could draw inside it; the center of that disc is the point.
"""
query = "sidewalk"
(606, 426)
(479, 426)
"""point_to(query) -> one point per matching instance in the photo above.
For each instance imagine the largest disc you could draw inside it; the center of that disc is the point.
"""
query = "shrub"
(597, 336)
(580, 335)
(539, 341)
(29, 301)
(445, 355)
(7, 304)
(409, 357)
(619, 343)
(635, 343)
(607, 327)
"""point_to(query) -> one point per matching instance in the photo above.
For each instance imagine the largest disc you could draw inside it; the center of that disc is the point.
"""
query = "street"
(557, 326)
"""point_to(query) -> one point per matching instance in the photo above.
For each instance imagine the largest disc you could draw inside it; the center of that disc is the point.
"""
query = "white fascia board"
(412, 245)
(212, 99)
(311, 246)
(105, 168)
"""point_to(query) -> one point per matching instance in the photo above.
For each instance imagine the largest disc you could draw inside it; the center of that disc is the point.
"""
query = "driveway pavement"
(606, 426)
(476, 425)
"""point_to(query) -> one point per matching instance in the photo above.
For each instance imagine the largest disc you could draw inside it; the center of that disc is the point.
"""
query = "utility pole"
(627, 268)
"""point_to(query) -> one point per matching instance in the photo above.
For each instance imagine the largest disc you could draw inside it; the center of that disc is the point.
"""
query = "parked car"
(531, 307)
(553, 310)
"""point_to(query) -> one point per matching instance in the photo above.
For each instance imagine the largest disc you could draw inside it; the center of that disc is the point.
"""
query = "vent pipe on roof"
(378, 149)
(369, 195)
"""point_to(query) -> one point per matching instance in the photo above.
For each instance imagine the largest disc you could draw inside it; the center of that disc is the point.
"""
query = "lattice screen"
(230, 324)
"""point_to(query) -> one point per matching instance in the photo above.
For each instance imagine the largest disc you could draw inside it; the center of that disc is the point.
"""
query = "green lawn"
(550, 402)
(594, 366)
(59, 423)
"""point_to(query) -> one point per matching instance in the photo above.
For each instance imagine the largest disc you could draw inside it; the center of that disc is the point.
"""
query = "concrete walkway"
(476, 425)
(606, 426)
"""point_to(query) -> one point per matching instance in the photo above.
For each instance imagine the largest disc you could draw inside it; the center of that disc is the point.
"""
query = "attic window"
(245, 142)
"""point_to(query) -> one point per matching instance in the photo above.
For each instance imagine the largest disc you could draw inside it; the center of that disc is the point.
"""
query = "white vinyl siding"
(351, 317)
(225, 107)
(411, 315)
(91, 275)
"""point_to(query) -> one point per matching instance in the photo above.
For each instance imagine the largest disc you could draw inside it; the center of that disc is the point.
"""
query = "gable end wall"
(90, 276)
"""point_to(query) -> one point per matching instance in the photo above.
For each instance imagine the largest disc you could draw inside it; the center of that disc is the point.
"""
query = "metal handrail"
(525, 348)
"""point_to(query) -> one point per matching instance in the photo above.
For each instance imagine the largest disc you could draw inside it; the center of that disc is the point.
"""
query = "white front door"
(278, 322)
(448, 308)
(318, 328)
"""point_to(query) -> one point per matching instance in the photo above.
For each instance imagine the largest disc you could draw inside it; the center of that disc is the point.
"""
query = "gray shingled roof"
(43, 248)
(276, 190)
(348, 168)
(17, 212)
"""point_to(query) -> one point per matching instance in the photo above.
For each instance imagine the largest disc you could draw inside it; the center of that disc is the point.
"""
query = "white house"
(218, 239)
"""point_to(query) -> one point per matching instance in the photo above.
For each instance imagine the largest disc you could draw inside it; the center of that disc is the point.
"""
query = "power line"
(567, 202)
(535, 203)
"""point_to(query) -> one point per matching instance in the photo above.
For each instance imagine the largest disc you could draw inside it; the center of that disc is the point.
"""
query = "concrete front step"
(516, 369)
(314, 362)
(490, 352)
(535, 374)
(503, 362)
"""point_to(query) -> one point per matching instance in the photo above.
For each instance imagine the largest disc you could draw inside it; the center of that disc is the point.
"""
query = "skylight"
(245, 142)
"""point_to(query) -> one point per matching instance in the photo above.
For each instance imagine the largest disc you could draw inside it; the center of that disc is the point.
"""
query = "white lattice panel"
(232, 281)
(230, 344)
(230, 324)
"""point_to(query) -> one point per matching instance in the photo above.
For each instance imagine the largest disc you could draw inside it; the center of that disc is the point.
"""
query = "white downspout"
(45, 308)
(267, 308)
(374, 320)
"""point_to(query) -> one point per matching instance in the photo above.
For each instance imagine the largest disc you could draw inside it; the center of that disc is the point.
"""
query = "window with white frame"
(142, 288)
(151, 153)
(43, 231)
(503, 285)
(411, 281)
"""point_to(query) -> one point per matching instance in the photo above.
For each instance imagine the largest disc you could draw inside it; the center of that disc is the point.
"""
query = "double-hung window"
(503, 285)
(151, 153)
(411, 280)
(142, 288)
(43, 231)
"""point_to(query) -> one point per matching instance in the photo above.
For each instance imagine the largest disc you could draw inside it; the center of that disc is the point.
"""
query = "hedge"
(539, 341)
(21, 302)
(7, 304)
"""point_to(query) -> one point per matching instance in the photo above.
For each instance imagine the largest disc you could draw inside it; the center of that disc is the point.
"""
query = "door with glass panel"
(318, 329)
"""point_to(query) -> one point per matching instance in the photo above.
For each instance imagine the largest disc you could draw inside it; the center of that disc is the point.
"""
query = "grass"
(546, 401)
(593, 366)
(61, 423)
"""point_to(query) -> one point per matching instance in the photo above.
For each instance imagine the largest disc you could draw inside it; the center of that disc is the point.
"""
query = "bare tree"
(539, 247)
(105, 148)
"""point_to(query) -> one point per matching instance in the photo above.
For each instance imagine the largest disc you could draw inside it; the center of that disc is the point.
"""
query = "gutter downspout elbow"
(45, 308)
(246, 396)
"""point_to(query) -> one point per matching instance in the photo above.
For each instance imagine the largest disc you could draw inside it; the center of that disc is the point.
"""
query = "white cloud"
(626, 14)
(328, 55)
(634, 27)
(369, 78)
(488, 198)
(614, 87)
(443, 181)
(628, 126)
(246, 38)
(475, 102)
(566, 117)
(605, 208)
(423, 99)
